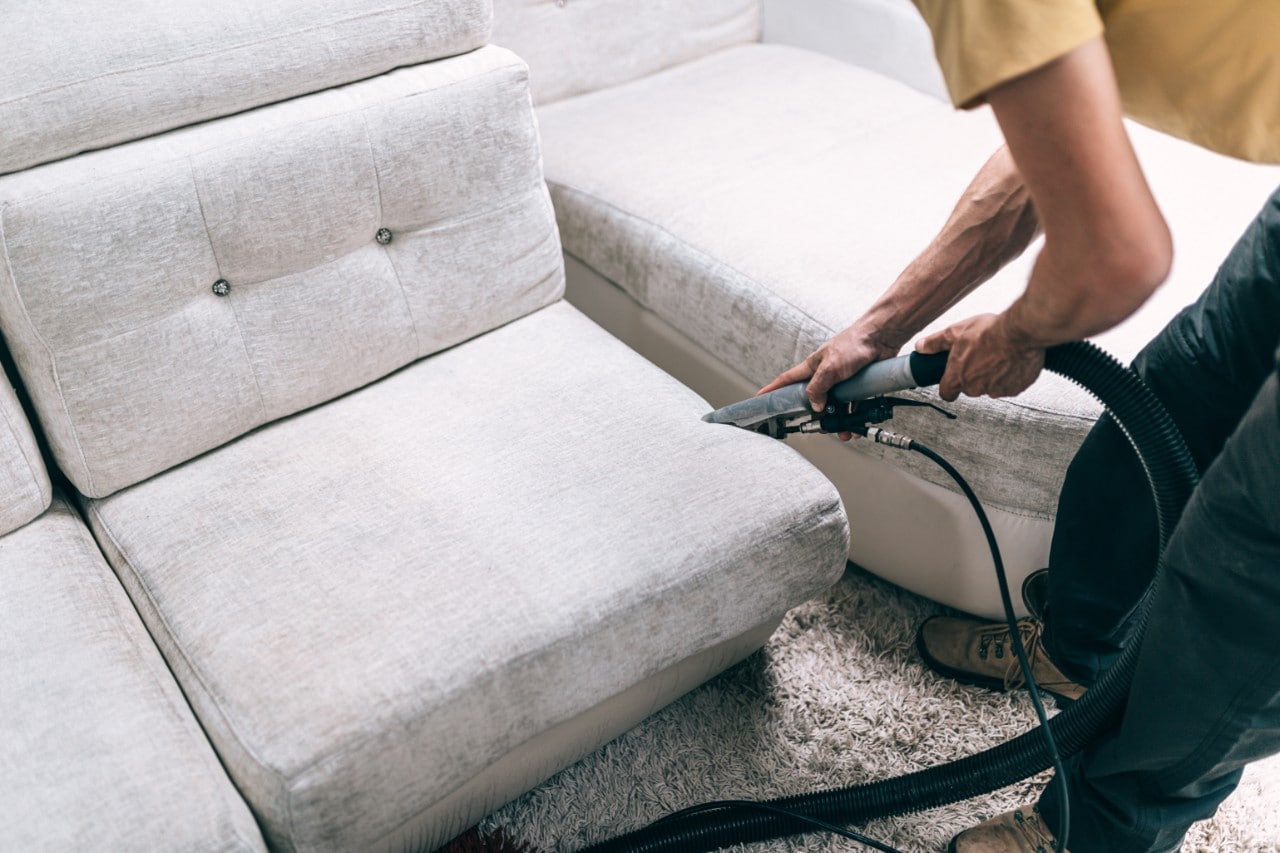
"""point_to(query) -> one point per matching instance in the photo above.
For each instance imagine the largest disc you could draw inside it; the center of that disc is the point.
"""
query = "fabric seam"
(196, 672)
(186, 156)
(235, 314)
(395, 271)
(182, 714)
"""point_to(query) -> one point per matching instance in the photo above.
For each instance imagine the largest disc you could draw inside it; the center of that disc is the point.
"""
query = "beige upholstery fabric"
(24, 482)
(577, 46)
(99, 749)
(78, 76)
(804, 187)
(373, 600)
(109, 260)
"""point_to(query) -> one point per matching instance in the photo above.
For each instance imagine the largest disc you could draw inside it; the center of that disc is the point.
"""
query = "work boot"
(1035, 593)
(1018, 831)
(978, 652)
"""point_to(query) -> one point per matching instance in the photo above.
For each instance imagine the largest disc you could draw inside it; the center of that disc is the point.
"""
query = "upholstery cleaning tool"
(855, 402)
(852, 406)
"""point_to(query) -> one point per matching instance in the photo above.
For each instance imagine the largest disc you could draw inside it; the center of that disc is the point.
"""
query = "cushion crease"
(235, 313)
(395, 273)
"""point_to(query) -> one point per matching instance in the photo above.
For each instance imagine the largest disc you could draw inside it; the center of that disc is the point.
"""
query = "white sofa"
(353, 528)
(408, 533)
(726, 204)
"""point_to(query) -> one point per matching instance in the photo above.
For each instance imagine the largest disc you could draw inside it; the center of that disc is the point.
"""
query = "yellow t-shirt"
(1205, 70)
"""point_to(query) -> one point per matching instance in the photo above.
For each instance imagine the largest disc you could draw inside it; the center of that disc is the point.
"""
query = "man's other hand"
(987, 358)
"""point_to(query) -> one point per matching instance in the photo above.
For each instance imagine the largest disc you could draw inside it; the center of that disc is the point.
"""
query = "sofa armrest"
(887, 36)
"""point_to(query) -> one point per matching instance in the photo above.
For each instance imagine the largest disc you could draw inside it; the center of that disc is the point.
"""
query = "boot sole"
(972, 678)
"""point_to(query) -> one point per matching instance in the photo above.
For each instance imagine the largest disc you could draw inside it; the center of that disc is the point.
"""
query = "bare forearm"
(1107, 247)
(1067, 301)
(992, 224)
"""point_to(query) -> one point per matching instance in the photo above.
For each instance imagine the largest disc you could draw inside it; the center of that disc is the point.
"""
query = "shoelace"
(1031, 632)
(1034, 831)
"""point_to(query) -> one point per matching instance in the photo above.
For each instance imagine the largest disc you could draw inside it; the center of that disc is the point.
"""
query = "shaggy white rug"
(837, 697)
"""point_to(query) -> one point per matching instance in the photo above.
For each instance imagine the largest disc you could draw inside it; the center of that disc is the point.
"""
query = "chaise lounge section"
(727, 204)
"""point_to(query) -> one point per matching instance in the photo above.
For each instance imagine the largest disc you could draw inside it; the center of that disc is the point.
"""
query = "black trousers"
(1205, 699)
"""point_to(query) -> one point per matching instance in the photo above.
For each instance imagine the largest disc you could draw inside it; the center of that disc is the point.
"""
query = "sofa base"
(908, 531)
(539, 758)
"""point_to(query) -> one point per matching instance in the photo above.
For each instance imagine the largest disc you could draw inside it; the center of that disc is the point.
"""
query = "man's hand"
(987, 357)
(835, 361)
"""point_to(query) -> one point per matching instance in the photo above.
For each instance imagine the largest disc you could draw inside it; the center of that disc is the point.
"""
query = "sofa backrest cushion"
(78, 76)
(576, 46)
(24, 482)
(165, 296)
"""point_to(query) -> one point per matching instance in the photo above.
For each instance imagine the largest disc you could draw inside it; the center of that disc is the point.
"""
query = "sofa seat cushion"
(79, 76)
(100, 750)
(761, 198)
(371, 601)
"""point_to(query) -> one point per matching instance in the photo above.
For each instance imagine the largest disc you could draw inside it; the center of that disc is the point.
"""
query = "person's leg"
(1205, 699)
(1205, 366)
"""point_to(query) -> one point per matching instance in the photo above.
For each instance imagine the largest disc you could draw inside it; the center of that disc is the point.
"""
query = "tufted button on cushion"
(383, 236)
(221, 287)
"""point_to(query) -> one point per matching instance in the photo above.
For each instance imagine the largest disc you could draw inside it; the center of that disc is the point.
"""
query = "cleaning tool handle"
(928, 369)
(890, 376)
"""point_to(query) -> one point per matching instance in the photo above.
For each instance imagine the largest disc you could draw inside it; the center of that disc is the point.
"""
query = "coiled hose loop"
(1171, 474)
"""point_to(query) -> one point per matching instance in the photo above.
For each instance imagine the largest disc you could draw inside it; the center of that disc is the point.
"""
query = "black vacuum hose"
(1172, 475)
